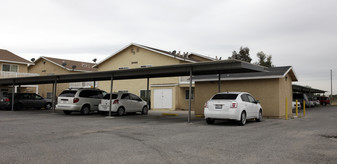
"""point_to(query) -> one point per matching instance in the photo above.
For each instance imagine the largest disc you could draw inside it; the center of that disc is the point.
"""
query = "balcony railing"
(185, 80)
(87, 84)
(6, 74)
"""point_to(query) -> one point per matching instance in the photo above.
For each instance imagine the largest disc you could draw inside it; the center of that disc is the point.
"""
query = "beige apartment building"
(12, 65)
(166, 93)
(54, 66)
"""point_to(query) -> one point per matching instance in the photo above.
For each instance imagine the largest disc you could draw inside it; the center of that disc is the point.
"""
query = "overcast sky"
(299, 33)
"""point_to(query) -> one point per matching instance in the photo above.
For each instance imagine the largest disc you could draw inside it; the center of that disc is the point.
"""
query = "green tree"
(264, 60)
(243, 55)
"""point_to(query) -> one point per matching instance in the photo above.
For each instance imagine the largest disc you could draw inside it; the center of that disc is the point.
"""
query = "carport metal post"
(94, 84)
(13, 88)
(219, 82)
(147, 93)
(111, 86)
(54, 95)
(189, 98)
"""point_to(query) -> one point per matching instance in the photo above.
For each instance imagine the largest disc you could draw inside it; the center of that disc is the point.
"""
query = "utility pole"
(331, 82)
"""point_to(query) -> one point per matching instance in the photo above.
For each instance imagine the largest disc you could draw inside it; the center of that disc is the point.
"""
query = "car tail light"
(6, 100)
(234, 105)
(206, 105)
(75, 100)
(116, 102)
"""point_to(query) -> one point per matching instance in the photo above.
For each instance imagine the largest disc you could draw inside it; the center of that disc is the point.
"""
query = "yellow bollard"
(286, 108)
(303, 108)
(296, 108)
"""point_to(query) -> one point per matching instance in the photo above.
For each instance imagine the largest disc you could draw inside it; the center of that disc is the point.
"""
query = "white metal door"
(162, 98)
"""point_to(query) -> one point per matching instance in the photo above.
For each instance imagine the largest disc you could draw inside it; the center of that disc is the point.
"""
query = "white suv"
(79, 100)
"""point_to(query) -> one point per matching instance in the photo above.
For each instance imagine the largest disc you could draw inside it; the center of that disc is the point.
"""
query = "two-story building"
(12, 65)
(166, 93)
(54, 66)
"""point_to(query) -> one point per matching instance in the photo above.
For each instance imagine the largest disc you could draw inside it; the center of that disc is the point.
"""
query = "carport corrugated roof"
(203, 68)
(303, 89)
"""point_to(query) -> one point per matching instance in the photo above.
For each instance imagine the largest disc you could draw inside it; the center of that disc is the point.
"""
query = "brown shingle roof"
(8, 56)
(80, 66)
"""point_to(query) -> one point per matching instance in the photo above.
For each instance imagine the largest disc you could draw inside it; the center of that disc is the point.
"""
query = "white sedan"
(238, 106)
(123, 103)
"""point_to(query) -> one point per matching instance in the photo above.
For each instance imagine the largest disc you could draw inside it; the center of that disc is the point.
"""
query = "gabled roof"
(270, 73)
(7, 56)
(162, 52)
(80, 66)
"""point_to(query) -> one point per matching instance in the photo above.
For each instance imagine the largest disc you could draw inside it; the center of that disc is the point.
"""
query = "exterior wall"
(267, 91)
(285, 90)
(45, 68)
(183, 103)
(140, 57)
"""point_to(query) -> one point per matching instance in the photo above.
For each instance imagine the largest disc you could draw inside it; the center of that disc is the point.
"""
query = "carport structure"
(303, 89)
(202, 68)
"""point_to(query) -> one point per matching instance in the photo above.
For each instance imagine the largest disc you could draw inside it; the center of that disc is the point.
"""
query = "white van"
(79, 100)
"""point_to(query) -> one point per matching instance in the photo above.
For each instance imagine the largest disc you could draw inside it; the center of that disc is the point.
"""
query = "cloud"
(294, 32)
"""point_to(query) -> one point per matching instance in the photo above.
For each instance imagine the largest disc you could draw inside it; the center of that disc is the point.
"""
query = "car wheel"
(145, 110)
(259, 119)
(210, 121)
(67, 112)
(324, 104)
(243, 119)
(120, 111)
(85, 110)
(47, 106)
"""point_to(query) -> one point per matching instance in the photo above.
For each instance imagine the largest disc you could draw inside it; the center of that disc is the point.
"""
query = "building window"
(49, 95)
(187, 94)
(143, 94)
(10, 67)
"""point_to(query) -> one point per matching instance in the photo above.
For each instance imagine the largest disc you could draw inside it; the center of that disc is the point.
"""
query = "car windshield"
(225, 96)
(68, 94)
(107, 96)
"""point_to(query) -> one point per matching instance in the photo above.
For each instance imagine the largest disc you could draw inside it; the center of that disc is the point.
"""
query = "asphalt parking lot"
(35, 136)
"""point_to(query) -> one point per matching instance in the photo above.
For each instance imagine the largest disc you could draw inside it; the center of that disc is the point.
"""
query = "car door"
(126, 102)
(37, 101)
(137, 103)
(26, 100)
(96, 97)
(246, 104)
(254, 108)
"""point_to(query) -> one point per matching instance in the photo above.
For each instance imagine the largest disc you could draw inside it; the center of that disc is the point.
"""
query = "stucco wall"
(45, 68)
(285, 92)
(267, 91)
(127, 58)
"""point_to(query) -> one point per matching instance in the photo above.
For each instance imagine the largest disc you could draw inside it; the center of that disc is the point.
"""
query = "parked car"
(300, 97)
(294, 105)
(323, 100)
(84, 100)
(316, 102)
(123, 103)
(4, 102)
(30, 100)
(238, 106)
